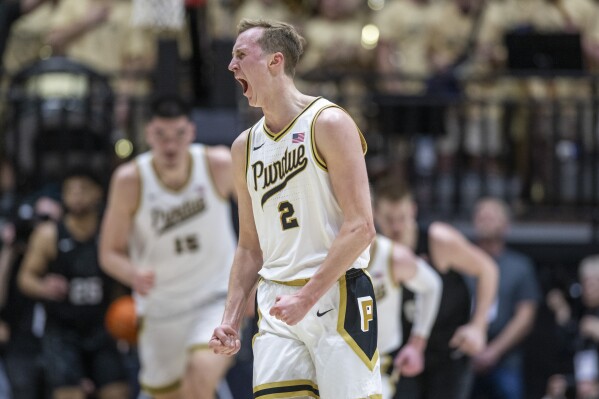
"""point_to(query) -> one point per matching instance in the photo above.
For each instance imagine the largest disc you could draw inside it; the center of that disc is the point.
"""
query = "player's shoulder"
(45, 233)
(239, 146)
(219, 155)
(441, 232)
(127, 172)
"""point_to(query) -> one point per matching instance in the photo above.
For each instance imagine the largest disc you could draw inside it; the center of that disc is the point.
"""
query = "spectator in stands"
(274, 10)
(458, 332)
(61, 268)
(499, 366)
(23, 315)
(335, 60)
(404, 27)
(10, 12)
(99, 33)
(580, 328)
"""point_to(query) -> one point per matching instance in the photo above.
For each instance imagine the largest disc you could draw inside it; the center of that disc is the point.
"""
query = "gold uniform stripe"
(259, 315)
(188, 179)
(140, 187)
(295, 394)
(247, 151)
(370, 363)
(211, 177)
(287, 389)
(319, 161)
(293, 283)
(373, 248)
(198, 347)
(390, 266)
(162, 389)
(278, 136)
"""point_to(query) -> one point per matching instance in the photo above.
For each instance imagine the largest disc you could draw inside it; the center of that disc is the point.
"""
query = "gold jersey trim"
(190, 166)
(211, 177)
(161, 389)
(140, 187)
(198, 347)
(287, 389)
(319, 161)
(293, 283)
(278, 136)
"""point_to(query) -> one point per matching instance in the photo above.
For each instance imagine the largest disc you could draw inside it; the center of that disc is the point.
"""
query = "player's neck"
(175, 177)
(82, 226)
(284, 107)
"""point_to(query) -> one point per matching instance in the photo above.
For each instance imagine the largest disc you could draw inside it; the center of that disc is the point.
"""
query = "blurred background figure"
(24, 316)
(459, 331)
(499, 368)
(579, 325)
(61, 268)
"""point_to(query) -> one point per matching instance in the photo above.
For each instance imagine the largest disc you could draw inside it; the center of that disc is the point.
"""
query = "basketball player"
(61, 268)
(167, 233)
(392, 266)
(305, 230)
(457, 333)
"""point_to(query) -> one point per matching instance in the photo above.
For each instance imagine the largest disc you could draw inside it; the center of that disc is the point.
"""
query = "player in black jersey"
(61, 269)
(458, 332)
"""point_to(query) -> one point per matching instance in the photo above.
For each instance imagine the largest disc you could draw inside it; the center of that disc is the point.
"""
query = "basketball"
(121, 319)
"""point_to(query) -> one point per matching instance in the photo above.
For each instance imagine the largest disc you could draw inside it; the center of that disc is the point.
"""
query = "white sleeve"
(427, 287)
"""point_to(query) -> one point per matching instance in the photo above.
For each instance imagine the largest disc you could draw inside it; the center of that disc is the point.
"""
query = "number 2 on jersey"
(287, 220)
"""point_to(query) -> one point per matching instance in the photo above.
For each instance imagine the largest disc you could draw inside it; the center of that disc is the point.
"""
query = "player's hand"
(143, 281)
(225, 340)
(469, 339)
(409, 361)
(290, 309)
(55, 287)
(485, 360)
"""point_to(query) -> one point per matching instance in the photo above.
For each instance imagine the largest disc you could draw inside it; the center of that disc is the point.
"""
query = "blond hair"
(277, 37)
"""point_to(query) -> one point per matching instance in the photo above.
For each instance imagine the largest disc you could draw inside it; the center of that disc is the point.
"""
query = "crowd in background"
(403, 48)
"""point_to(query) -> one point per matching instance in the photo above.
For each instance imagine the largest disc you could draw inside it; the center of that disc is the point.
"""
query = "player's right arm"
(419, 277)
(246, 264)
(33, 280)
(123, 199)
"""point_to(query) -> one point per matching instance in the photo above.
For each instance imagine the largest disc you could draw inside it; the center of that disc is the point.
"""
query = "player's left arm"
(450, 249)
(416, 274)
(339, 144)
(221, 170)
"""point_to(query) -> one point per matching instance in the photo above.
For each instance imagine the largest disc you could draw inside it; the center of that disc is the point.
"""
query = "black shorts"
(69, 356)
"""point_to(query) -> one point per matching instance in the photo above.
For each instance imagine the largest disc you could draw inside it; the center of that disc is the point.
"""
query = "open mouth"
(244, 84)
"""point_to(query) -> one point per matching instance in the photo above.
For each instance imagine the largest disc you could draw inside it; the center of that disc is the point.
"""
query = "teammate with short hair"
(305, 230)
(167, 233)
(61, 268)
(460, 329)
(393, 266)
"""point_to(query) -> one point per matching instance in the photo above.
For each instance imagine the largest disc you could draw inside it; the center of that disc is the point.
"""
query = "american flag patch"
(297, 138)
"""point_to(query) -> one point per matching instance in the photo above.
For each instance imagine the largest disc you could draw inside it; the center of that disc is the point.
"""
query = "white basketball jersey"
(388, 294)
(296, 213)
(185, 236)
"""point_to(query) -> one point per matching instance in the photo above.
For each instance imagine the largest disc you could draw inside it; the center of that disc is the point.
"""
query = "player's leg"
(341, 332)
(163, 356)
(204, 369)
(107, 367)
(283, 366)
(204, 372)
(63, 366)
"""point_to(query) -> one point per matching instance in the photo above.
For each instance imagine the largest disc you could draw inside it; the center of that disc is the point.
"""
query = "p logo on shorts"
(357, 322)
(366, 305)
